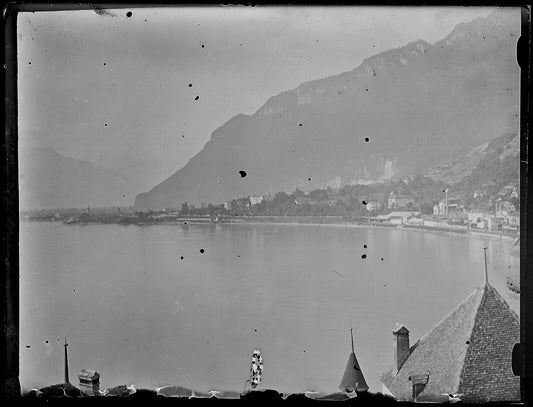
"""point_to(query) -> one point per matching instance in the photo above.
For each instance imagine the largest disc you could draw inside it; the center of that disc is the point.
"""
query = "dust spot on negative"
(367, 139)
(364, 246)
(181, 257)
(129, 14)
(363, 256)
(309, 179)
(242, 173)
(364, 202)
(197, 97)
(202, 250)
(190, 85)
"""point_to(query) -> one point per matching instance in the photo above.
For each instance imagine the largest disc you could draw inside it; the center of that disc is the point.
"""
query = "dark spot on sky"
(468, 342)
(363, 256)
(255, 330)
(145, 20)
(181, 257)
(29, 63)
(73, 291)
(203, 46)
(105, 64)
(202, 250)
(190, 85)
(242, 173)
(367, 139)
(105, 124)
(364, 246)
(123, 196)
(28, 346)
(443, 190)
(309, 179)
(184, 223)
(366, 90)
(301, 123)
(238, 255)
(183, 136)
(46, 341)
(382, 259)
(364, 202)
(129, 14)
(197, 97)
(304, 350)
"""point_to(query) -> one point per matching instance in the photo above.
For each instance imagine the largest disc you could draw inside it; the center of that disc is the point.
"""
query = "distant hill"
(49, 180)
(417, 106)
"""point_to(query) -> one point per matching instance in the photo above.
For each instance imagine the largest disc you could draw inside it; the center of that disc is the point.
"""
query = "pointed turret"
(353, 379)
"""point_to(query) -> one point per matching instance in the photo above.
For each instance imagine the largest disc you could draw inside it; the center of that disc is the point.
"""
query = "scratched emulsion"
(145, 306)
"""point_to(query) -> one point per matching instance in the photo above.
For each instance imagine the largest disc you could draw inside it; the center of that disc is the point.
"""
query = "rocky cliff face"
(401, 111)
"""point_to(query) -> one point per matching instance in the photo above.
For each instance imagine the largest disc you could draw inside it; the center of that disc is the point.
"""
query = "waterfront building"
(256, 199)
(469, 353)
(373, 206)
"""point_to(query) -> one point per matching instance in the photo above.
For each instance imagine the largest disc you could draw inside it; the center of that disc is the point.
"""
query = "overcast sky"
(114, 90)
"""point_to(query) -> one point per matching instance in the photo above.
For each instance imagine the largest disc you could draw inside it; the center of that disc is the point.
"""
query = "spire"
(486, 272)
(66, 361)
(353, 379)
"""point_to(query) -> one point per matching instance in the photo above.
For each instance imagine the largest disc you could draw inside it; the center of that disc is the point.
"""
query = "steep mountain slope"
(49, 180)
(418, 105)
(482, 164)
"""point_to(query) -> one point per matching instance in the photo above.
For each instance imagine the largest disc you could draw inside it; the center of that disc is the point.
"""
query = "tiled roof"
(468, 352)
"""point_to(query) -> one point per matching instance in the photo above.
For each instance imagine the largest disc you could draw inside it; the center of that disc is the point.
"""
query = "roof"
(89, 374)
(468, 352)
(353, 379)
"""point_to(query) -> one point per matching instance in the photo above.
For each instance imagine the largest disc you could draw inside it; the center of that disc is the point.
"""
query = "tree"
(184, 209)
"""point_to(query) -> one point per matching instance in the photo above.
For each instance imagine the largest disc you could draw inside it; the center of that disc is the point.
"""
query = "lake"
(137, 312)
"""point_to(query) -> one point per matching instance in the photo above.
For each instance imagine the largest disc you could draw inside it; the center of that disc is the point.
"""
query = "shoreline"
(313, 221)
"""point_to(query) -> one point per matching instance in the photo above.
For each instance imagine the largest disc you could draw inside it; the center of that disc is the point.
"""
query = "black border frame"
(9, 251)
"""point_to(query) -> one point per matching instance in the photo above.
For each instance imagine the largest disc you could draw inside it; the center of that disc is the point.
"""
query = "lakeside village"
(417, 202)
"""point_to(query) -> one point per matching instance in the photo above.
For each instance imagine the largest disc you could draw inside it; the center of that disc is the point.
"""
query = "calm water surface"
(136, 312)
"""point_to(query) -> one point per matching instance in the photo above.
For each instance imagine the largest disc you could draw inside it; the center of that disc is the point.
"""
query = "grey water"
(138, 313)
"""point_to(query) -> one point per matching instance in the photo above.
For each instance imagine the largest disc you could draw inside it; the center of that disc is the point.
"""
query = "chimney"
(400, 335)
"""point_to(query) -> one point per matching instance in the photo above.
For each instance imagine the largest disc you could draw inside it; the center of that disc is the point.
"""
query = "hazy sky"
(114, 90)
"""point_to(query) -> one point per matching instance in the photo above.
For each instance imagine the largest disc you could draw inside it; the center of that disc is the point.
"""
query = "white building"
(256, 199)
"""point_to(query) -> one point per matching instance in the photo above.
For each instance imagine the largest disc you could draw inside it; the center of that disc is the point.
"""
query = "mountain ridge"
(398, 112)
(49, 180)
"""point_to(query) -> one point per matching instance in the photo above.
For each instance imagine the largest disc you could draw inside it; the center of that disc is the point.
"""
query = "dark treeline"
(350, 201)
